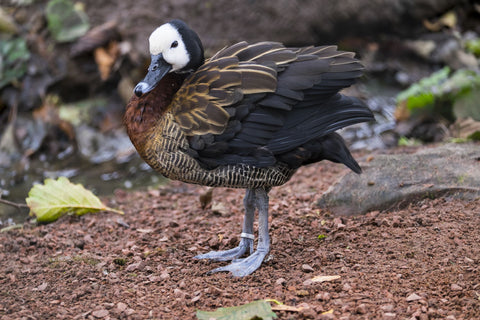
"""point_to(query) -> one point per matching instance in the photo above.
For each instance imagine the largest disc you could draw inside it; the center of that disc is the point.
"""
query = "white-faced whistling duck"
(248, 117)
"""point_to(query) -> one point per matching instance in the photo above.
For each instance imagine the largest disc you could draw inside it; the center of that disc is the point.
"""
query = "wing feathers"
(250, 103)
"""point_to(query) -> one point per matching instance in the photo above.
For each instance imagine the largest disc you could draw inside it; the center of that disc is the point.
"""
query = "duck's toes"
(243, 267)
(228, 255)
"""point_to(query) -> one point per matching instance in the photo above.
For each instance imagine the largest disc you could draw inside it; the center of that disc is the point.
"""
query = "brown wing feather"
(198, 107)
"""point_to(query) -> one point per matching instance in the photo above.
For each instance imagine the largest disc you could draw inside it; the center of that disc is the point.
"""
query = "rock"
(387, 307)
(307, 282)
(164, 275)
(468, 260)
(280, 281)
(323, 296)
(346, 287)
(413, 297)
(307, 268)
(42, 287)
(389, 316)
(100, 313)
(306, 311)
(456, 287)
(220, 208)
(135, 266)
(129, 311)
(179, 293)
(121, 306)
(361, 309)
(404, 178)
(327, 316)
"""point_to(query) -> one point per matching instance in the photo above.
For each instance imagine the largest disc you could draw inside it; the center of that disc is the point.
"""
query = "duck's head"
(174, 47)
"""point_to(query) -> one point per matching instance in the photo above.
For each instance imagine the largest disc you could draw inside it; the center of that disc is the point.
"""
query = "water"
(102, 179)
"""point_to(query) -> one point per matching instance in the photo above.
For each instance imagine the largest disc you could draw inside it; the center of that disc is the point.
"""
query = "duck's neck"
(142, 113)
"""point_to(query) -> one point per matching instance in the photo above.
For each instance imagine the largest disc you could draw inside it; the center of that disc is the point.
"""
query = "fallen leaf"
(465, 128)
(66, 21)
(259, 309)
(7, 23)
(98, 36)
(54, 198)
(449, 20)
(105, 57)
(324, 278)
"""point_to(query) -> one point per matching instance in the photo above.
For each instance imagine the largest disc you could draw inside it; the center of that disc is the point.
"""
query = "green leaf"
(54, 198)
(66, 21)
(473, 46)
(14, 56)
(438, 92)
(422, 93)
(259, 309)
(406, 142)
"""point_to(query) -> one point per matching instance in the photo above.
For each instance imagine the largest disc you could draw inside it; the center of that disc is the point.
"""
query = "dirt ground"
(419, 262)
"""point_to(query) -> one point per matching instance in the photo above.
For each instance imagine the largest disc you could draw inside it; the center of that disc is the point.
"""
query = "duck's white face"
(166, 40)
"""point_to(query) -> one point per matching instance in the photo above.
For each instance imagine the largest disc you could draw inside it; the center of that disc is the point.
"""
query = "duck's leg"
(244, 267)
(247, 237)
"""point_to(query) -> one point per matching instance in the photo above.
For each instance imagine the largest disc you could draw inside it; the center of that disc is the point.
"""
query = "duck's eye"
(174, 44)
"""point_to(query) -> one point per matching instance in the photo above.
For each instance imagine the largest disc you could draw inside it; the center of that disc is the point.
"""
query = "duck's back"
(250, 116)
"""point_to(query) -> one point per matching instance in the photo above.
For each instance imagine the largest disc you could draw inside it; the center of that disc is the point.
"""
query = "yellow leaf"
(449, 20)
(54, 198)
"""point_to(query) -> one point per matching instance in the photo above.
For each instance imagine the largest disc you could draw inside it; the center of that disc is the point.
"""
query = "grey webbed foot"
(244, 267)
(227, 255)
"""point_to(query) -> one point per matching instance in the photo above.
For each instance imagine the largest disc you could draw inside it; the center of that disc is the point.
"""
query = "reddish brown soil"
(421, 262)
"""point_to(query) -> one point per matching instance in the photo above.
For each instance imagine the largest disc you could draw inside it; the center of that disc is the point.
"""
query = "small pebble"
(389, 316)
(456, 287)
(280, 281)
(178, 293)
(413, 297)
(327, 316)
(323, 296)
(468, 260)
(153, 278)
(346, 287)
(164, 275)
(42, 287)
(129, 311)
(361, 309)
(387, 307)
(100, 313)
(307, 268)
(121, 306)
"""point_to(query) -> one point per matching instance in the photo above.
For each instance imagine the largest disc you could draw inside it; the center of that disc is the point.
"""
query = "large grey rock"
(398, 179)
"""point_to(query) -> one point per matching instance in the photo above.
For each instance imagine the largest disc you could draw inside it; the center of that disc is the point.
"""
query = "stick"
(13, 204)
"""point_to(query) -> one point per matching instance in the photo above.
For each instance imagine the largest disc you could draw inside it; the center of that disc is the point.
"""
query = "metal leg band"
(247, 235)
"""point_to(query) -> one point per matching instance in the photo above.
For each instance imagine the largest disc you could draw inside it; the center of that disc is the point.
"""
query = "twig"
(13, 204)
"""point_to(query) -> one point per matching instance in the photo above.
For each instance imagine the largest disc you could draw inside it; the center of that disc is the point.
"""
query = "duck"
(248, 117)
